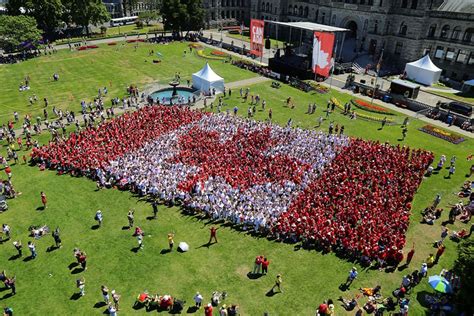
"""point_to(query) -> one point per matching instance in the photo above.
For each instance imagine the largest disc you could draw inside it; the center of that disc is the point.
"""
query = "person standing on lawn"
(130, 218)
(154, 205)
(44, 201)
(32, 248)
(105, 294)
(278, 283)
(57, 238)
(265, 264)
(171, 241)
(18, 247)
(98, 217)
(410, 255)
(213, 235)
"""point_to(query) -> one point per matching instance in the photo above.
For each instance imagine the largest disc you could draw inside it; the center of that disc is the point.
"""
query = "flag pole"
(379, 64)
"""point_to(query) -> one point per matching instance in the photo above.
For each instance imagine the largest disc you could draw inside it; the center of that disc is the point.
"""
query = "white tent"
(423, 71)
(206, 79)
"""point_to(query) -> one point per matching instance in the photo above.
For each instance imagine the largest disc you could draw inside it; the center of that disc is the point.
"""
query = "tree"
(174, 14)
(464, 268)
(18, 33)
(85, 12)
(148, 16)
(184, 15)
(46, 12)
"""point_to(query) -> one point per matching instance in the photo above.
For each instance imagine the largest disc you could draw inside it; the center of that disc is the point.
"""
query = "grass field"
(46, 286)
(133, 29)
(82, 73)
(275, 43)
(456, 96)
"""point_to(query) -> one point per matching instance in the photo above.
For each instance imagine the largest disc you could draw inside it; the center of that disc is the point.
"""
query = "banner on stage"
(322, 53)
(256, 37)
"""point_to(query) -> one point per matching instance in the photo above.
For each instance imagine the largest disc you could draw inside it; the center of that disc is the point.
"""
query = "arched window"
(371, 2)
(295, 10)
(271, 8)
(404, 3)
(306, 12)
(316, 16)
(468, 35)
(403, 29)
(333, 22)
(263, 6)
(432, 30)
(290, 9)
(300, 11)
(414, 4)
(456, 33)
(444, 31)
(267, 7)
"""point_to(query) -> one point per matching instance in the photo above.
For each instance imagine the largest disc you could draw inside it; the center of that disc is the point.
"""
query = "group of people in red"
(95, 147)
(360, 205)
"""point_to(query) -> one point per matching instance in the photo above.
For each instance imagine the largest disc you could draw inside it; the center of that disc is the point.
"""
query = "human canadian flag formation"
(337, 191)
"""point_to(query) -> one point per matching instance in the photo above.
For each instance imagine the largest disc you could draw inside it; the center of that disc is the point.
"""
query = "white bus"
(123, 21)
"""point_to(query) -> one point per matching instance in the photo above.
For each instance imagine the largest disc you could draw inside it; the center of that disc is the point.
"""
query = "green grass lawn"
(133, 29)
(275, 43)
(46, 285)
(82, 73)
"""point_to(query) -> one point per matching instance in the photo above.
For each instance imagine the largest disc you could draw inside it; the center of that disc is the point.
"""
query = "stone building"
(404, 29)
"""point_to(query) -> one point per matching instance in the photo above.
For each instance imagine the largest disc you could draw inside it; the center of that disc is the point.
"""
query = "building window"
(414, 4)
(450, 54)
(468, 35)
(471, 59)
(456, 33)
(403, 29)
(427, 51)
(439, 53)
(362, 1)
(323, 17)
(462, 56)
(306, 12)
(444, 31)
(381, 3)
(371, 2)
(398, 48)
(404, 3)
(317, 15)
(432, 30)
(376, 26)
(333, 20)
(301, 11)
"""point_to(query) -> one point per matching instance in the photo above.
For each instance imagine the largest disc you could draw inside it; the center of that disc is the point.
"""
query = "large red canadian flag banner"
(256, 37)
(322, 53)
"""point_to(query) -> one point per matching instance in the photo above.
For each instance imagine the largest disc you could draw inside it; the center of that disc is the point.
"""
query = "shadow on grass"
(164, 251)
(75, 296)
(8, 295)
(40, 208)
(99, 304)
(254, 276)
(52, 248)
(14, 257)
(420, 297)
(125, 227)
(135, 249)
(73, 265)
(270, 293)
(192, 310)
(150, 218)
(29, 258)
(95, 227)
(77, 271)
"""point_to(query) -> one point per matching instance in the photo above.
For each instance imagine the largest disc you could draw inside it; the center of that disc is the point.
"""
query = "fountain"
(174, 84)
(174, 94)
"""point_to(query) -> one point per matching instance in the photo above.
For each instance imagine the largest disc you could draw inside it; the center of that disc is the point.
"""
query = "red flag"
(256, 37)
(322, 53)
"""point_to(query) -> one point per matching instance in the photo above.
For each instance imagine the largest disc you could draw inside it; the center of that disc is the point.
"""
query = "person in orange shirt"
(44, 201)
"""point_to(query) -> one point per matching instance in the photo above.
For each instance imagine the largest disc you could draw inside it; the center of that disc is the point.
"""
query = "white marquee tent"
(423, 71)
(206, 79)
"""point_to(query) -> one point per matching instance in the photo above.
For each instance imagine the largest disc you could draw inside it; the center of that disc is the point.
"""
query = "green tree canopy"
(85, 12)
(182, 15)
(148, 16)
(16, 31)
(47, 13)
(464, 268)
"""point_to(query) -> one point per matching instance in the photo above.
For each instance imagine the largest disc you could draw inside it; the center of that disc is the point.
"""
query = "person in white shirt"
(198, 299)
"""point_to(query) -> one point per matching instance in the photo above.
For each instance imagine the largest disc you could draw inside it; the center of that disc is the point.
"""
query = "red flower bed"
(218, 53)
(92, 46)
(362, 203)
(112, 44)
(135, 40)
(370, 107)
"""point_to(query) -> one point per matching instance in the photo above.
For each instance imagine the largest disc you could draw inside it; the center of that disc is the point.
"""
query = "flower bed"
(112, 44)
(318, 87)
(443, 134)
(135, 40)
(362, 115)
(195, 46)
(370, 107)
(202, 54)
(218, 53)
(87, 47)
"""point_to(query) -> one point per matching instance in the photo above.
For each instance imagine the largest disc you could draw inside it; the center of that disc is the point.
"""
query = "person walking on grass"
(351, 277)
(130, 217)
(140, 241)
(154, 205)
(213, 235)
(105, 294)
(32, 248)
(278, 282)
(198, 300)
(384, 121)
(19, 247)
(116, 299)
(99, 218)
(404, 133)
(81, 285)
(171, 241)
(410, 255)
(57, 238)
(44, 201)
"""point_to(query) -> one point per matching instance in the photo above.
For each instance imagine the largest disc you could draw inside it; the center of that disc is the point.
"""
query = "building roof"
(310, 26)
(461, 6)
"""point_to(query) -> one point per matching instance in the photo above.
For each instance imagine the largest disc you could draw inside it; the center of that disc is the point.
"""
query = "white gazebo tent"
(206, 79)
(423, 71)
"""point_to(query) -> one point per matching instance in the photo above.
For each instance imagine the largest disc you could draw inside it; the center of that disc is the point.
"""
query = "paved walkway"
(247, 82)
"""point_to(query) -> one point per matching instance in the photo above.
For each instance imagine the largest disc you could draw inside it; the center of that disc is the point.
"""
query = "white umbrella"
(183, 246)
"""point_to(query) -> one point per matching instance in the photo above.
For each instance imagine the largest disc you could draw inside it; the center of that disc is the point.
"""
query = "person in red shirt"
(208, 310)
(265, 264)
(213, 235)
(410, 255)
(44, 201)
(440, 252)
